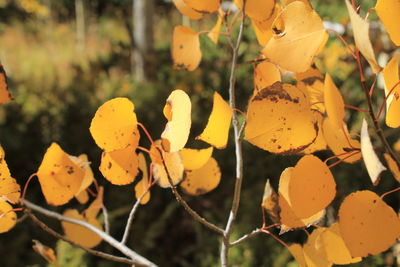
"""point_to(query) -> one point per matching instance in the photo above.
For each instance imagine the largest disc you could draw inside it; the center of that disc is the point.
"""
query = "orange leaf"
(187, 10)
(114, 125)
(311, 256)
(45, 252)
(367, 224)
(299, 33)
(9, 188)
(195, 158)
(333, 102)
(263, 28)
(186, 52)
(392, 166)
(305, 187)
(143, 185)
(331, 245)
(270, 202)
(214, 32)
(279, 120)
(80, 234)
(204, 6)
(120, 167)
(59, 176)
(202, 180)
(389, 13)
(8, 218)
(265, 74)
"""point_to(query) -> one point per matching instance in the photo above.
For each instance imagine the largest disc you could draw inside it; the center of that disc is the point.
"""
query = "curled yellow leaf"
(178, 112)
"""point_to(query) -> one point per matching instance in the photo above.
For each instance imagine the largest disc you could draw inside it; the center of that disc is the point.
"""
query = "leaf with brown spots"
(114, 125)
(120, 167)
(8, 218)
(59, 176)
(202, 180)
(186, 52)
(279, 120)
(299, 34)
(367, 224)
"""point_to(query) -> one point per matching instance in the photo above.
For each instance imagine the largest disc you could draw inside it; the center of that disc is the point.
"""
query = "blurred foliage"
(57, 89)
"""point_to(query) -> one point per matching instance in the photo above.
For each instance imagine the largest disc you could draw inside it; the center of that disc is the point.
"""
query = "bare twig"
(128, 225)
(136, 258)
(88, 250)
(245, 237)
(238, 146)
(106, 219)
(181, 201)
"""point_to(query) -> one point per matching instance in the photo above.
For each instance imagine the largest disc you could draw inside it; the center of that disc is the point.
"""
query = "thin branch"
(238, 146)
(88, 250)
(106, 219)
(128, 225)
(344, 42)
(377, 127)
(138, 259)
(181, 201)
(245, 237)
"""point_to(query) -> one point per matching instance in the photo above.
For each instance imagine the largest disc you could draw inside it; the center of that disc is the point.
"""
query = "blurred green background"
(59, 77)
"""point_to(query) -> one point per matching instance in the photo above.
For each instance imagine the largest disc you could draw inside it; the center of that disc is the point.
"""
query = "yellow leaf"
(265, 74)
(297, 252)
(214, 32)
(371, 160)
(340, 142)
(195, 158)
(361, 37)
(331, 245)
(9, 189)
(311, 255)
(217, 129)
(260, 10)
(263, 28)
(392, 166)
(305, 187)
(312, 81)
(45, 251)
(80, 234)
(299, 33)
(204, 6)
(143, 185)
(120, 167)
(82, 160)
(8, 218)
(389, 13)
(186, 52)
(59, 176)
(93, 210)
(114, 125)
(367, 224)
(333, 101)
(270, 202)
(391, 77)
(203, 180)
(5, 95)
(186, 10)
(279, 120)
(172, 160)
(289, 220)
(178, 112)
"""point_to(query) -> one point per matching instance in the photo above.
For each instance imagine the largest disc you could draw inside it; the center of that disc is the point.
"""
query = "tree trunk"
(80, 24)
(143, 37)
